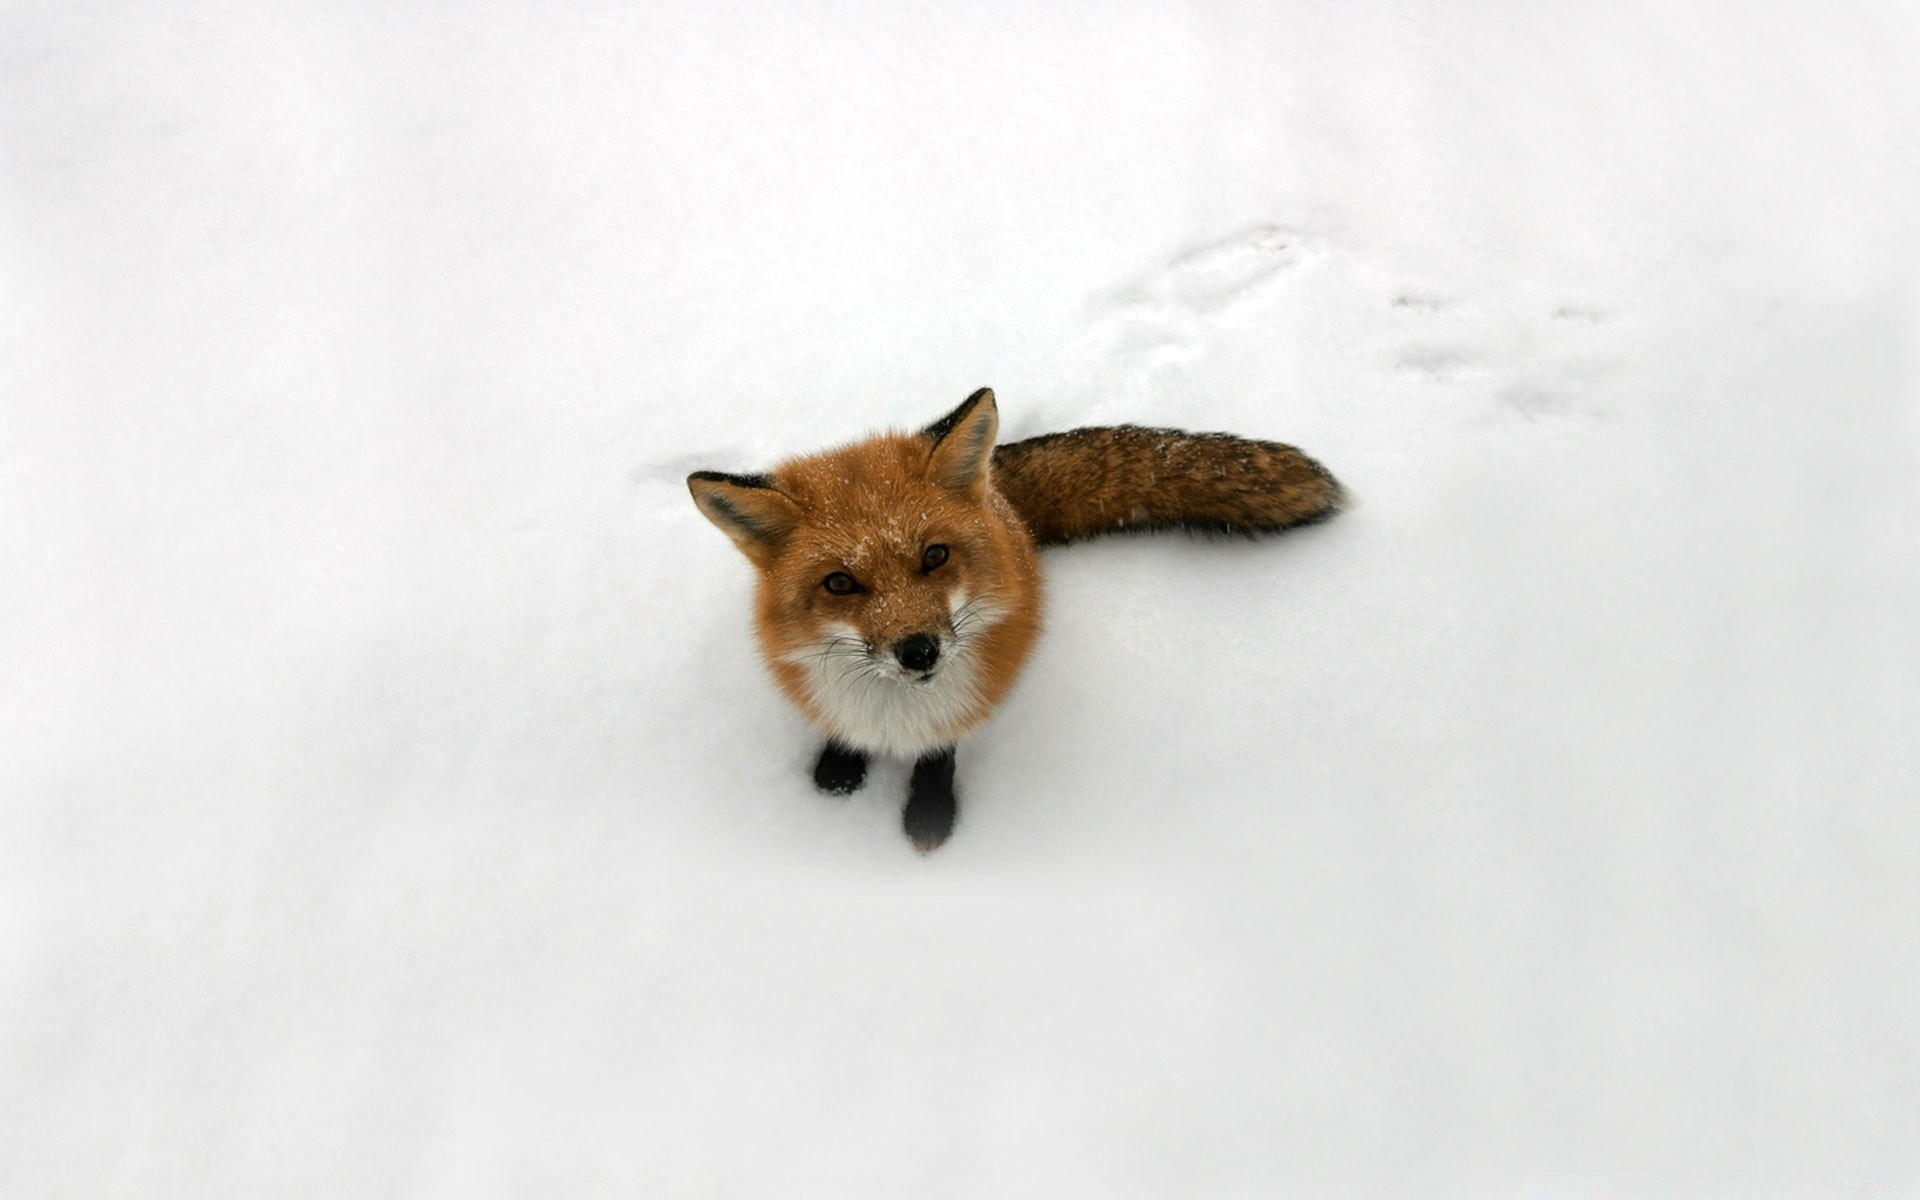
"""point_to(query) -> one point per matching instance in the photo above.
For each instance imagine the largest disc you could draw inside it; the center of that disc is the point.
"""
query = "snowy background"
(391, 803)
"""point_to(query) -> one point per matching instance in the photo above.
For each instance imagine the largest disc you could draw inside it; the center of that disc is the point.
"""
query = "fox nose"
(917, 652)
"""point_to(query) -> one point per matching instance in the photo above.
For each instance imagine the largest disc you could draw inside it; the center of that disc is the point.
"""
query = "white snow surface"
(392, 804)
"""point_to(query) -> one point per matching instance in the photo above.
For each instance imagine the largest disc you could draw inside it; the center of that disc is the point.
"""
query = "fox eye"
(840, 584)
(934, 557)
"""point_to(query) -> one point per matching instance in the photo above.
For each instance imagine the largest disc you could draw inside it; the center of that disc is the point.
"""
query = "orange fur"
(870, 511)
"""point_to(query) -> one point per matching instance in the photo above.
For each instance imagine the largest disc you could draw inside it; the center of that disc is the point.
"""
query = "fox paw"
(840, 771)
(931, 804)
(929, 820)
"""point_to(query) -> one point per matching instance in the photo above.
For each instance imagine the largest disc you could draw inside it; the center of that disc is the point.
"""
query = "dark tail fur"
(1085, 482)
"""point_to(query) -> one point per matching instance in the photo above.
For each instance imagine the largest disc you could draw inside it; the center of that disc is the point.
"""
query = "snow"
(391, 802)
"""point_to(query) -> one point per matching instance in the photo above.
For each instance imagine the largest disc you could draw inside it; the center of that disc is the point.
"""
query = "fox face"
(898, 592)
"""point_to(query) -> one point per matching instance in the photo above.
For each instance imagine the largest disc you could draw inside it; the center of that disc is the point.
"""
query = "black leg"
(841, 769)
(931, 805)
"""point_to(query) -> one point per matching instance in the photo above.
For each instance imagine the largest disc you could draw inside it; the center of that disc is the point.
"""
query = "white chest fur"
(869, 701)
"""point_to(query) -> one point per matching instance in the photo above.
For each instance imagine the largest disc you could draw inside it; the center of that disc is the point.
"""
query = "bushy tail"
(1112, 479)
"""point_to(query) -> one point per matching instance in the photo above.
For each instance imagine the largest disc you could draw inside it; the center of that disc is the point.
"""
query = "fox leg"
(841, 769)
(931, 805)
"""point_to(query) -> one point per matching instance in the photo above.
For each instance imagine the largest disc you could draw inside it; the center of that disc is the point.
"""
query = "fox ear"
(963, 443)
(747, 509)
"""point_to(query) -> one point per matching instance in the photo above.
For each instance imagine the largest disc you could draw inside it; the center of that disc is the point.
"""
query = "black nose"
(917, 652)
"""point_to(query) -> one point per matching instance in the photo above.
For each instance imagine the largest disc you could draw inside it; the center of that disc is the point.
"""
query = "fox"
(899, 591)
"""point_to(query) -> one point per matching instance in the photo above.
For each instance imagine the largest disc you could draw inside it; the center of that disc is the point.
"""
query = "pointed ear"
(747, 509)
(963, 443)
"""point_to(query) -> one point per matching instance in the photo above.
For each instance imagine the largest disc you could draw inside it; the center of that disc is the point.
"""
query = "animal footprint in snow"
(1581, 314)
(1439, 363)
(1541, 402)
(1564, 359)
(1233, 272)
(1213, 278)
(1421, 302)
(1442, 337)
(1167, 318)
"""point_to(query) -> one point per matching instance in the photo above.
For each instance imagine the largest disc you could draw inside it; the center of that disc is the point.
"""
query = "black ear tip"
(941, 428)
(753, 481)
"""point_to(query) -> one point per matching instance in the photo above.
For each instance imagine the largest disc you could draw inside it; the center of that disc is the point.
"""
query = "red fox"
(899, 591)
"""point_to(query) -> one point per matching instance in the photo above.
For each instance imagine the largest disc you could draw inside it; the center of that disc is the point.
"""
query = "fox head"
(899, 593)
